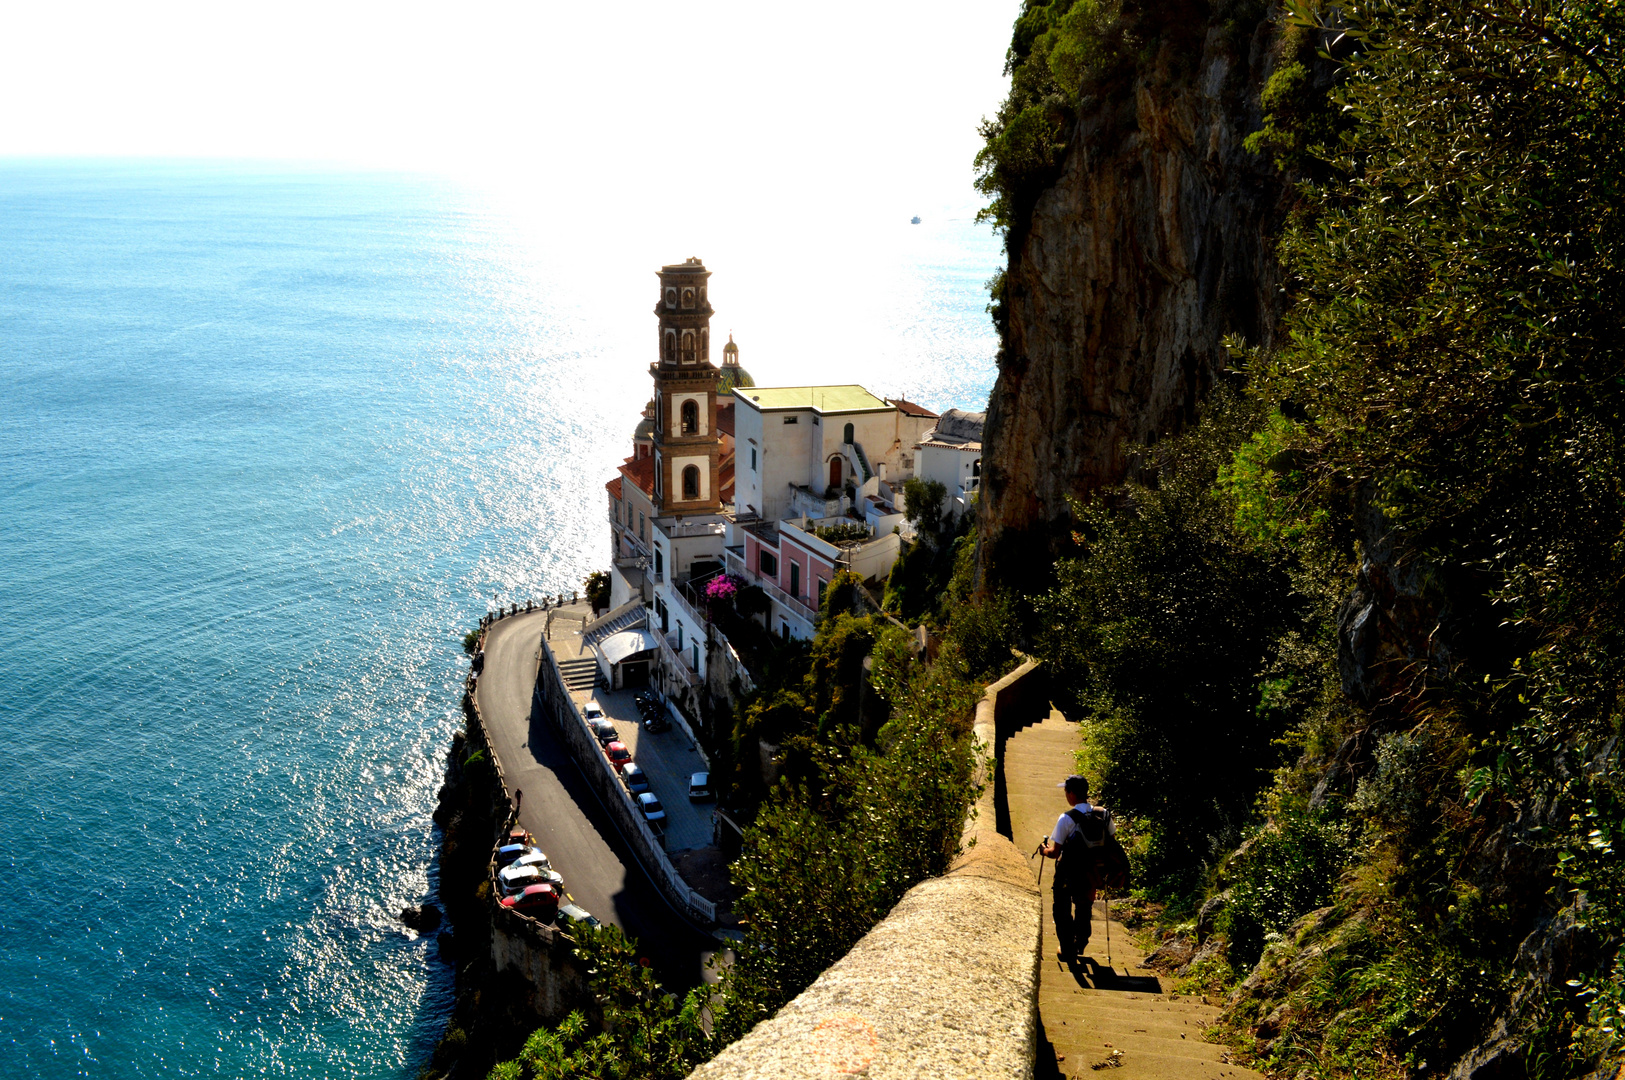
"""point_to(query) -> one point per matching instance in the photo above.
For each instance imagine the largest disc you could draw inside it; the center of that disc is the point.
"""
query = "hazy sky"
(709, 105)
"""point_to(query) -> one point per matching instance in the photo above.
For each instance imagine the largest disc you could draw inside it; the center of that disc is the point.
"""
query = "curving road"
(564, 815)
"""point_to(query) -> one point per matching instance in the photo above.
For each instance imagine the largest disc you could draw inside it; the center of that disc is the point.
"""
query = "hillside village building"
(728, 477)
(951, 454)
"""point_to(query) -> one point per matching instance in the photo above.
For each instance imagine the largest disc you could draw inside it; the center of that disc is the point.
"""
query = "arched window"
(691, 482)
(691, 417)
(847, 434)
(688, 346)
(668, 349)
(705, 343)
(671, 298)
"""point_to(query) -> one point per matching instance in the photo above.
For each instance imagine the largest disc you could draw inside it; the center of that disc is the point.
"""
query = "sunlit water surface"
(270, 442)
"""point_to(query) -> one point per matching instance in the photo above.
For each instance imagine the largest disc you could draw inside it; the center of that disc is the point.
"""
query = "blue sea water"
(270, 441)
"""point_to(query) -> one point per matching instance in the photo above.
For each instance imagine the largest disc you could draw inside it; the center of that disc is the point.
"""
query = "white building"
(805, 450)
(951, 454)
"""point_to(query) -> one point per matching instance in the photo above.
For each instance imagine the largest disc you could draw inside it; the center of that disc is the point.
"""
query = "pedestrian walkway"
(1106, 1013)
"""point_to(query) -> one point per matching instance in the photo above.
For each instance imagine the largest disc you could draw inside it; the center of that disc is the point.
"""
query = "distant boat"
(915, 220)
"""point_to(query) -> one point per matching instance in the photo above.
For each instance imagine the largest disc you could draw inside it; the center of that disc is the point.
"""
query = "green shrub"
(1286, 869)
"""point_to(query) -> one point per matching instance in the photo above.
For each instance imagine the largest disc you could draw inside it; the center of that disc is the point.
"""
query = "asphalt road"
(564, 814)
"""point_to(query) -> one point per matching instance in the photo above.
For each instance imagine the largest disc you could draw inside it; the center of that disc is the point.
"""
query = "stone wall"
(545, 961)
(947, 984)
(554, 705)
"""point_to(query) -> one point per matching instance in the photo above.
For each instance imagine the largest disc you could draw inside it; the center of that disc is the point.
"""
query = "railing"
(693, 528)
(683, 602)
(861, 461)
(674, 662)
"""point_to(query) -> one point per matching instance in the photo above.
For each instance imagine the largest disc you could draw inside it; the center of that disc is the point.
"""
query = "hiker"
(1079, 836)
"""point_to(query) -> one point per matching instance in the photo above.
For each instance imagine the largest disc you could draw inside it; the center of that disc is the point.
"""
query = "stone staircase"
(580, 673)
(614, 626)
(1106, 1015)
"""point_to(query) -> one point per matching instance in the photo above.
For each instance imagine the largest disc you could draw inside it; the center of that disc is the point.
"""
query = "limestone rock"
(1157, 240)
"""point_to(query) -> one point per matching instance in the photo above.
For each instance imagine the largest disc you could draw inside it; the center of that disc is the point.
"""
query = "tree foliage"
(1178, 639)
(642, 1033)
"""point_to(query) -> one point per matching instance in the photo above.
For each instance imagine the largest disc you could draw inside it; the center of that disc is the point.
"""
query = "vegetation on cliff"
(1348, 656)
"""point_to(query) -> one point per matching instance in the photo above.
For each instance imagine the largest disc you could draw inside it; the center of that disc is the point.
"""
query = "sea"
(272, 438)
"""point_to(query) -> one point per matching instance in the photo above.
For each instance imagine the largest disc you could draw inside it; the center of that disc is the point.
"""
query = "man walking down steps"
(1094, 1015)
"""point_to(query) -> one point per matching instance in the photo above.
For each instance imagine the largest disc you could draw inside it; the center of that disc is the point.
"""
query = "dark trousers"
(1072, 908)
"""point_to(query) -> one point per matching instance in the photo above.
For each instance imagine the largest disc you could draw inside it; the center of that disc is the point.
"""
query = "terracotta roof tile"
(908, 408)
(641, 471)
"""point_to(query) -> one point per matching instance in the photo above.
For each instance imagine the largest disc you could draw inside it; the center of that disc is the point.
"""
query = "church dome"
(731, 374)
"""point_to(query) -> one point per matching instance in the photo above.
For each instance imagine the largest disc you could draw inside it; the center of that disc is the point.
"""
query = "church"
(729, 478)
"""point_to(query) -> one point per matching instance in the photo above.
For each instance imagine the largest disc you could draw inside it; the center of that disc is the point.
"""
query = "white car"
(533, 857)
(515, 879)
(592, 711)
(653, 812)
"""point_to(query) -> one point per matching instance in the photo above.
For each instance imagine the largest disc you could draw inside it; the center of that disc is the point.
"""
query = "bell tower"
(687, 444)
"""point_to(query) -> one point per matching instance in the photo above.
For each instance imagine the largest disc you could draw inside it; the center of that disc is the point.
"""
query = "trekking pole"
(1108, 927)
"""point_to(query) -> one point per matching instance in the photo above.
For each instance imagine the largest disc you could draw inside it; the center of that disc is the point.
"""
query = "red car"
(618, 754)
(537, 901)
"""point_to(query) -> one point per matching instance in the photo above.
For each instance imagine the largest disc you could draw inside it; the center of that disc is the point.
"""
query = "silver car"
(653, 812)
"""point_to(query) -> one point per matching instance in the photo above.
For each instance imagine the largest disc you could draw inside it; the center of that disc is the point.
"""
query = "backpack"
(1092, 854)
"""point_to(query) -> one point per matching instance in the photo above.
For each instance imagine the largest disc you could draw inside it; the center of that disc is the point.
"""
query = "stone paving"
(1107, 1012)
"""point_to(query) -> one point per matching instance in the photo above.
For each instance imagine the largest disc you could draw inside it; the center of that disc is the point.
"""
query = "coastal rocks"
(423, 919)
(1156, 241)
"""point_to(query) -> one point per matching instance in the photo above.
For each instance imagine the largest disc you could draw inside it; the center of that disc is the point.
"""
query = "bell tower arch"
(687, 444)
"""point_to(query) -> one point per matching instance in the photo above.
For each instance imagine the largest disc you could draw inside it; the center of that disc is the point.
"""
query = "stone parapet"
(945, 986)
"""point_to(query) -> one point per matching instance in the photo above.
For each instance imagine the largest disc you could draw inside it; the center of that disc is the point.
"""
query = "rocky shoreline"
(484, 1029)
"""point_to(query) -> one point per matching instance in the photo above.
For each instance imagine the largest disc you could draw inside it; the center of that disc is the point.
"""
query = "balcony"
(680, 593)
(797, 605)
(804, 502)
(680, 530)
(674, 662)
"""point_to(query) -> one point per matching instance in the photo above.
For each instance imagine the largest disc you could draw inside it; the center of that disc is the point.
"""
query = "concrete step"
(1185, 1038)
(1140, 1062)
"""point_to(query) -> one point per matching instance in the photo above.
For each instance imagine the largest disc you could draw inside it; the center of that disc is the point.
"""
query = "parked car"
(507, 853)
(619, 756)
(592, 711)
(533, 857)
(575, 915)
(516, 879)
(653, 812)
(635, 779)
(538, 901)
(604, 730)
(699, 787)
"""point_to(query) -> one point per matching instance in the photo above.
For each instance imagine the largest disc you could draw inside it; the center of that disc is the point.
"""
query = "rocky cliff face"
(1156, 241)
